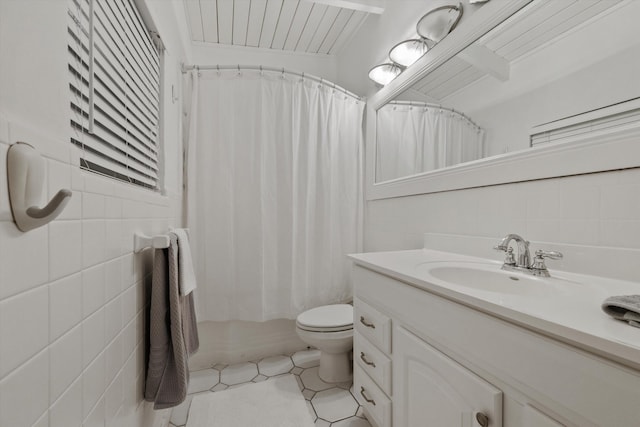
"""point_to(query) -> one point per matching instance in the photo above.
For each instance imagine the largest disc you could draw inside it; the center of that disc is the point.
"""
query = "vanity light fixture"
(407, 52)
(438, 22)
(384, 73)
(432, 27)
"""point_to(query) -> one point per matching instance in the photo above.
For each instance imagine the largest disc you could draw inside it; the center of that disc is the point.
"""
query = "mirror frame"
(596, 154)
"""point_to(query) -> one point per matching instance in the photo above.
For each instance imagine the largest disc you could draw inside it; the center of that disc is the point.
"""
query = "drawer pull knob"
(364, 396)
(365, 360)
(482, 419)
(367, 324)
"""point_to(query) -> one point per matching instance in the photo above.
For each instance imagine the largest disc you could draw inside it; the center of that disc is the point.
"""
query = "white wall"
(72, 293)
(600, 210)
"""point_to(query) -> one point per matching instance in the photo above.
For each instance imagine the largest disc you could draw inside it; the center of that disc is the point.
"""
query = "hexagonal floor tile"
(352, 422)
(240, 373)
(334, 404)
(272, 366)
(322, 423)
(220, 387)
(306, 358)
(202, 380)
(312, 381)
(259, 379)
(180, 412)
(312, 411)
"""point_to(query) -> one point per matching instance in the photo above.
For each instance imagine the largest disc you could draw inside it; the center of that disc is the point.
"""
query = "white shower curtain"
(274, 193)
(412, 139)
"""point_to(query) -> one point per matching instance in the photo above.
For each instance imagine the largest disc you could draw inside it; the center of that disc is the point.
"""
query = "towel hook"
(25, 176)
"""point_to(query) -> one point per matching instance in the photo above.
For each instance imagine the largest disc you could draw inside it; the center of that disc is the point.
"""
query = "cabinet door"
(430, 389)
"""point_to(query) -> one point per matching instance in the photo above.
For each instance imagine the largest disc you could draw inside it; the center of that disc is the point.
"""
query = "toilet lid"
(327, 316)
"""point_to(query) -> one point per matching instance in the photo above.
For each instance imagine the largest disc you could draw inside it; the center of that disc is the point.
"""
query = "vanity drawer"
(373, 362)
(376, 405)
(373, 325)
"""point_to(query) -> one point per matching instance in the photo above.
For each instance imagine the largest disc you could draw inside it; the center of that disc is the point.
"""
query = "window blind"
(621, 117)
(114, 82)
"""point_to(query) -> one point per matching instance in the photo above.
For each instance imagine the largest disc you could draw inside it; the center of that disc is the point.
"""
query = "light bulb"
(384, 73)
(407, 52)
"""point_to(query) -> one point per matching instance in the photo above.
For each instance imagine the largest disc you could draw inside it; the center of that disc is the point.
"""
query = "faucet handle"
(509, 259)
(548, 254)
(538, 267)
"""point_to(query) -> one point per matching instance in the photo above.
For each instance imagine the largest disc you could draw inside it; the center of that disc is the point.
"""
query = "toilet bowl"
(329, 328)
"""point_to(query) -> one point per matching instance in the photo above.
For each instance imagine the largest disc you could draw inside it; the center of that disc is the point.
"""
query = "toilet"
(329, 328)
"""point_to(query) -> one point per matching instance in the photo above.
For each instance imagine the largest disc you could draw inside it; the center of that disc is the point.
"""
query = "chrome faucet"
(523, 255)
(523, 260)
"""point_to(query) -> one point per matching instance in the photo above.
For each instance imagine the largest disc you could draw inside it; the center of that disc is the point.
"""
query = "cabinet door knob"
(364, 396)
(367, 324)
(362, 356)
(482, 419)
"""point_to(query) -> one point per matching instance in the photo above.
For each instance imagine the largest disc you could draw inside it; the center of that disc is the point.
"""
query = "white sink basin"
(488, 277)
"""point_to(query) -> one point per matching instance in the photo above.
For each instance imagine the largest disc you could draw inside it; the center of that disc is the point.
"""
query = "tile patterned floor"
(329, 404)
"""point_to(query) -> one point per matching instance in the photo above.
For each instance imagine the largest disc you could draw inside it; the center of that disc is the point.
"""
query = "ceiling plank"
(549, 28)
(287, 14)
(349, 30)
(271, 15)
(225, 22)
(195, 23)
(297, 26)
(323, 28)
(256, 18)
(317, 13)
(209, 10)
(369, 6)
(240, 21)
(335, 30)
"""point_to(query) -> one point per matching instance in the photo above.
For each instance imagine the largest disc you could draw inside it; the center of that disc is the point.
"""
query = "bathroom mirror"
(523, 90)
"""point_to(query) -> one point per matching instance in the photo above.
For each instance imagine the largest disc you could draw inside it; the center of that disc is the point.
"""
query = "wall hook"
(25, 176)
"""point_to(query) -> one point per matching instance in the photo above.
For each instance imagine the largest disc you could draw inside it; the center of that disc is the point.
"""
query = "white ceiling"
(306, 26)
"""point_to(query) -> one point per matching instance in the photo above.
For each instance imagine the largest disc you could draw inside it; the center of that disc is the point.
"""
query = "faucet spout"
(523, 258)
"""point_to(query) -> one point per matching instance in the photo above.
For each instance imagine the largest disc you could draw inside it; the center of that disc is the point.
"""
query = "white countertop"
(574, 317)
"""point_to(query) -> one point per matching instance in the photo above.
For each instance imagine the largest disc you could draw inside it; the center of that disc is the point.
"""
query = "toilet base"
(335, 367)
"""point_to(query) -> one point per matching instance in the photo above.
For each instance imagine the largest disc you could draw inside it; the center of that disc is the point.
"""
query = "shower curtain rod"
(440, 107)
(186, 68)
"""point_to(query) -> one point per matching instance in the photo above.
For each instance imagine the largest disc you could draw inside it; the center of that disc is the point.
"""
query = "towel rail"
(142, 241)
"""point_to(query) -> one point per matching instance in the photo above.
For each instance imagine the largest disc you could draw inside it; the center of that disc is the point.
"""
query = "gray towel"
(624, 307)
(173, 334)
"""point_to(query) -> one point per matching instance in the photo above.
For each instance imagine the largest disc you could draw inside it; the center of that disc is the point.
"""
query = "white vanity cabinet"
(452, 364)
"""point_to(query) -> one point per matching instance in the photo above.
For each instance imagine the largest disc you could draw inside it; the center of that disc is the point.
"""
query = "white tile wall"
(586, 214)
(72, 297)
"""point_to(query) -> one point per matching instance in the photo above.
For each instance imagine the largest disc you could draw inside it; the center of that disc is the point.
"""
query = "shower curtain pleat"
(277, 197)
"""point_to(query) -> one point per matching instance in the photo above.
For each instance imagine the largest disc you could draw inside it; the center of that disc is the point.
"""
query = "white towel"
(186, 274)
